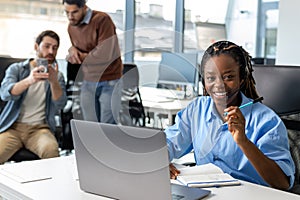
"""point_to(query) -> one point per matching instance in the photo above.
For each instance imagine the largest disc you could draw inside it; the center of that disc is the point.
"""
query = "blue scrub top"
(198, 127)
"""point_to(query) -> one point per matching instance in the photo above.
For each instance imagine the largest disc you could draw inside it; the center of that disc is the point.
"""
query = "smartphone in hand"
(42, 62)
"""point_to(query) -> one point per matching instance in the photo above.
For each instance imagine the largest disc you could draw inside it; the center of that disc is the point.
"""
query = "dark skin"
(222, 83)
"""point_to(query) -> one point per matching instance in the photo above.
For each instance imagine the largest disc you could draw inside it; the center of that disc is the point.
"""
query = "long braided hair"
(241, 57)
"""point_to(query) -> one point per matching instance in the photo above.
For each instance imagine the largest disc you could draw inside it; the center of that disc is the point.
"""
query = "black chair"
(278, 84)
(72, 109)
(64, 134)
(292, 124)
(23, 154)
(132, 109)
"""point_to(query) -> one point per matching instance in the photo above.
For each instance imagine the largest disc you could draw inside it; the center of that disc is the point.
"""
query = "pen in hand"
(247, 104)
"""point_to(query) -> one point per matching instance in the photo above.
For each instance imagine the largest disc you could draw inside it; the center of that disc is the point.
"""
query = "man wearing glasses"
(95, 48)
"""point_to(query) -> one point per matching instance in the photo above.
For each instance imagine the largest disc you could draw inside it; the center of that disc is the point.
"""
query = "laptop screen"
(123, 162)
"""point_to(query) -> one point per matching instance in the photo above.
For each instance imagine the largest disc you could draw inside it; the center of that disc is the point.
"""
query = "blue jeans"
(101, 101)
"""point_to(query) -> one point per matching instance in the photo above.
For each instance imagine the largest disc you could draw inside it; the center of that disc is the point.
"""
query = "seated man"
(33, 97)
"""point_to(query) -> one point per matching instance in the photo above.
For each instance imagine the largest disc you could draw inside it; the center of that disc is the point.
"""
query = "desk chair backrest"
(279, 85)
(130, 76)
(4, 64)
(72, 110)
(132, 109)
(74, 74)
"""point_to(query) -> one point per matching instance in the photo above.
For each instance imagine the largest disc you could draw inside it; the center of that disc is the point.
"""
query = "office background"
(178, 26)
(147, 28)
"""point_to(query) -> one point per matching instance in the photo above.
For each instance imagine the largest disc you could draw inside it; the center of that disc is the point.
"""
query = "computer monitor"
(279, 85)
(179, 69)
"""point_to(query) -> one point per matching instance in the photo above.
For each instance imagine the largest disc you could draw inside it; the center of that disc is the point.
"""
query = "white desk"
(63, 185)
(155, 101)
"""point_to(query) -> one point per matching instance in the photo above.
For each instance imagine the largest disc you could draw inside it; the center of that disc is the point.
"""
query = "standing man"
(95, 46)
(33, 98)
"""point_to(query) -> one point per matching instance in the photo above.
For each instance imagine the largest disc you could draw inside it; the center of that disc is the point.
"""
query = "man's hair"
(48, 33)
(79, 3)
(240, 56)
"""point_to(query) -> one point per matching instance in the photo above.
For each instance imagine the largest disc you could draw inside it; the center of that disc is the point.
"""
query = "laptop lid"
(123, 162)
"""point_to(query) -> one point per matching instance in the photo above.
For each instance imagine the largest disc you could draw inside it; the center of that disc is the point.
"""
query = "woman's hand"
(236, 124)
(267, 168)
(173, 171)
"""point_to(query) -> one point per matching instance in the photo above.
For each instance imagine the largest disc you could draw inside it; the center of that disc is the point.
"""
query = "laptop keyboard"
(177, 197)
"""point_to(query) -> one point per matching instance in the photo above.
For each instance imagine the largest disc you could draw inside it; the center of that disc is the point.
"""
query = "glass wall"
(154, 20)
(155, 25)
(22, 20)
(267, 24)
(154, 33)
(204, 23)
(271, 33)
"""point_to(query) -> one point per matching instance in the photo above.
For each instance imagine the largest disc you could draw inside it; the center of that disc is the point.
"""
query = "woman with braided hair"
(249, 143)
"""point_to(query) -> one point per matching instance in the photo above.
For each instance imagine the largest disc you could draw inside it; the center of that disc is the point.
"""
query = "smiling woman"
(240, 142)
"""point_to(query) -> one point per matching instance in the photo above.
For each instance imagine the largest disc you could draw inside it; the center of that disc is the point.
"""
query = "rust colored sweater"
(98, 38)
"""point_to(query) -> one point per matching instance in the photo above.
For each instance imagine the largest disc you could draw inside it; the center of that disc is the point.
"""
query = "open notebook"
(208, 175)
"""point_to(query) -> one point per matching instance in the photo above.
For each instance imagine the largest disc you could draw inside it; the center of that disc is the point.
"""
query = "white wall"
(288, 36)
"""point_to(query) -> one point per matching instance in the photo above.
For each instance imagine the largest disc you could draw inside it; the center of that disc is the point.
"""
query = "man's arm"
(75, 56)
(24, 84)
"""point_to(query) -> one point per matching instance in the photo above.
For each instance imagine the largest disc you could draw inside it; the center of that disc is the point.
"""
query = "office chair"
(132, 109)
(72, 108)
(23, 154)
(278, 84)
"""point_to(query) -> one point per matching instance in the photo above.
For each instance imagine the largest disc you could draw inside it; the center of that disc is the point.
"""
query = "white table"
(162, 101)
(64, 185)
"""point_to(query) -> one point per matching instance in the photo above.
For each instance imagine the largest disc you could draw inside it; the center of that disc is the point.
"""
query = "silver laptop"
(126, 163)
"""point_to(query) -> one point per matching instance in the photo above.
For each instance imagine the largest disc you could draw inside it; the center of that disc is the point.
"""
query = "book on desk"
(208, 175)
